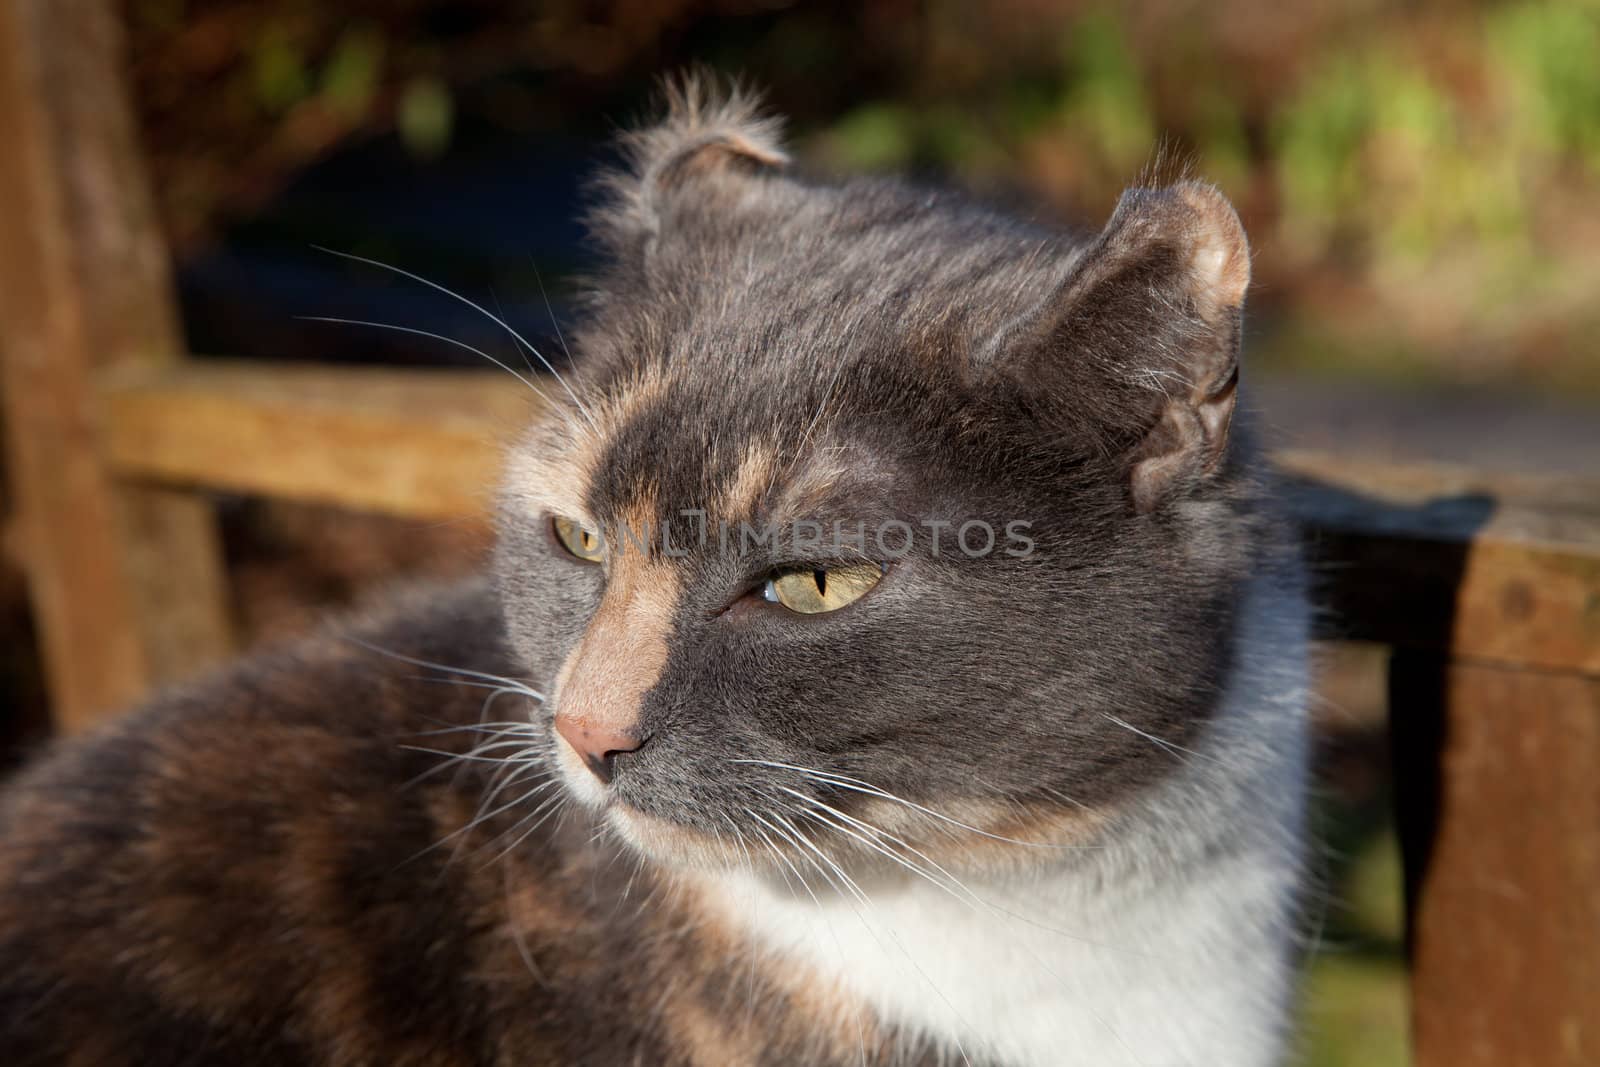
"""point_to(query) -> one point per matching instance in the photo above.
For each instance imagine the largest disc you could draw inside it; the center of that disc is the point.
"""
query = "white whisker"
(798, 837)
(554, 323)
(491, 316)
(558, 799)
(968, 898)
(336, 321)
(477, 727)
(1161, 742)
(858, 785)
(510, 683)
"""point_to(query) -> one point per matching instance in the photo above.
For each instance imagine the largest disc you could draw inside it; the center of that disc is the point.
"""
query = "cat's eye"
(811, 592)
(579, 539)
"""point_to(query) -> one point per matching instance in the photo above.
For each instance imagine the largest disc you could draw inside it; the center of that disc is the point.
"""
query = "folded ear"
(1140, 343)
(702, 155)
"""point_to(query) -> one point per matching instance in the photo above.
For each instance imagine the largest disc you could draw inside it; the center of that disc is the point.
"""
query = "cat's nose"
(598, 745)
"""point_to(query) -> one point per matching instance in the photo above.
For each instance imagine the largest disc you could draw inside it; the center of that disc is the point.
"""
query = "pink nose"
(598, 745)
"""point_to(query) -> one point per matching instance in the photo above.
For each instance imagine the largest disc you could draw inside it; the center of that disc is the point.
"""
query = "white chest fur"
(1192, 974)
(1170, 947)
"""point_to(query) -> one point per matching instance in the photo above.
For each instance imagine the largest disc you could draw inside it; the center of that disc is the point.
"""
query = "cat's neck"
(1161, 946)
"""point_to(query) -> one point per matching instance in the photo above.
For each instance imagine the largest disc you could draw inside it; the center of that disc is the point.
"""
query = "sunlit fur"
(984, 760)
(1005, 810)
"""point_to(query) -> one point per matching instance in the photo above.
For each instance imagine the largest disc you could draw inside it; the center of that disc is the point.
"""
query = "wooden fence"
(1488, 588)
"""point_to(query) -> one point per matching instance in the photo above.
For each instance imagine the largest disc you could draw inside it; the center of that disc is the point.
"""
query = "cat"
(1001, 762)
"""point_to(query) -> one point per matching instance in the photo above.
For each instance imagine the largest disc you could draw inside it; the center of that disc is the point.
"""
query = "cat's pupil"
(821, 578)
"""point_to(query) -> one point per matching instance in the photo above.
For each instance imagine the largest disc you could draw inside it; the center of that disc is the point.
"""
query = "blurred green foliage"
(1355, 1014)
(1421, 182)
(279, 75)
(1103, 94)
(1355, 1003)
(1422, 190)
(425, 115)
(350, 76)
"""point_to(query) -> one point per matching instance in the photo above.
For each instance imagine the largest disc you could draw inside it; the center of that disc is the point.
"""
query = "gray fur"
(1101, 740)
(967, 365)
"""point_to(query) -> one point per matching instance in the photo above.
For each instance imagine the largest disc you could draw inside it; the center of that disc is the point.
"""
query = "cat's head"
(867, 509)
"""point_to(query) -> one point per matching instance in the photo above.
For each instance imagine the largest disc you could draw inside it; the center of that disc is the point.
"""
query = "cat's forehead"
(797, 360)
(658, 442)
(819, 265)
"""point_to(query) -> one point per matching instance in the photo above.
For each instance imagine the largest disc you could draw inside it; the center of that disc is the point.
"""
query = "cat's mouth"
(669, 841)
(855, 826)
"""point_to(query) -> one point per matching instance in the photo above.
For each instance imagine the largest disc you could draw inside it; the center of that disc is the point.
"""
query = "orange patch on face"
(620, 657)
(742, 494)
(808, 485)
(552, 466)
(549, 471)
(645, 388)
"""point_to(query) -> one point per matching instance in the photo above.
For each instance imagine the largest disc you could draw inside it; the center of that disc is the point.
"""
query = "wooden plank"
(420, 443)
(67, 513)
(1502, 569)
(172, 553)
(126, 582)
(1497, 776)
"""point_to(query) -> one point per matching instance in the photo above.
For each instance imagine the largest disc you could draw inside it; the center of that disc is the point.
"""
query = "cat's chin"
(669, 843)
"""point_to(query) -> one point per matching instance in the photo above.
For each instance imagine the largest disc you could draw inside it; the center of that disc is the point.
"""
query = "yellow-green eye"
(813, 592)
(578, 539)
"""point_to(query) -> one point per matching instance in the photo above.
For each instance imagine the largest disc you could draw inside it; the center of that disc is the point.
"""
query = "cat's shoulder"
(213, 856)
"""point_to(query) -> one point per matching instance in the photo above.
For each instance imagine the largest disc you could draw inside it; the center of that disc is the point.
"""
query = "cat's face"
(875, 513)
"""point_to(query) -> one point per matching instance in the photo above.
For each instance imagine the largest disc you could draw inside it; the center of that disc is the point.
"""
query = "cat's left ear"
(1141, 340)
(704, 157)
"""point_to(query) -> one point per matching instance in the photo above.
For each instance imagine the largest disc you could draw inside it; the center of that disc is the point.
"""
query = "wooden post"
(126, 581)
(1489, 587)
(1498, 785)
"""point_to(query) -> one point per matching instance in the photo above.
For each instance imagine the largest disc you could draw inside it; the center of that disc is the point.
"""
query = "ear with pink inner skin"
(1141, 341)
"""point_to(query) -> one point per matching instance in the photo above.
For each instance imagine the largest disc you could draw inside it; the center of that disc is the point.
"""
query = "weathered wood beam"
(126, 582)
(1497, 789)
(1495, 568)
(1502, 569)
(420, 443)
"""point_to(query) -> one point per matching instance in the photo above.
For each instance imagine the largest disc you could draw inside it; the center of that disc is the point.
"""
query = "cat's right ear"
(1138, 347)
(706, 155)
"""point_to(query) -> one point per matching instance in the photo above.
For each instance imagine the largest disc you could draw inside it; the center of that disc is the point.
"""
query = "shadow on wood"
(1493, 603)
